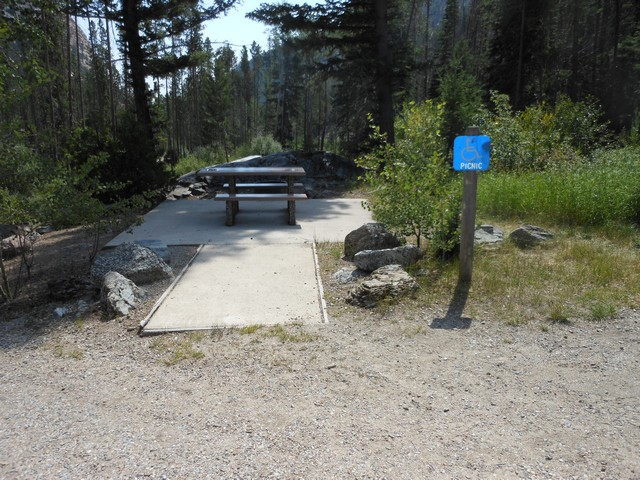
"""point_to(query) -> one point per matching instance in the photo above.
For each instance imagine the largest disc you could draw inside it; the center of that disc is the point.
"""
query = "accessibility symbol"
(471, 152)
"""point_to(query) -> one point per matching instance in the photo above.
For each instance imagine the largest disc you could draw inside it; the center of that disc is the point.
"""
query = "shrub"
(201, 157)
(33, 191)
(264, 145)
(542, 136)
(414, 190)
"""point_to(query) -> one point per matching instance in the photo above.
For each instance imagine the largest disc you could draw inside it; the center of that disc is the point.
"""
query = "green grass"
(604, 191)
(581, 275)
(565, 281)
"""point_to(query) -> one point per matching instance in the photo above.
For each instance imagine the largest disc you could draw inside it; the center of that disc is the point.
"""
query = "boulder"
(160, 248)
(139, 264)
(7, 230)
(198, 188)
(16, 245)
(527, 236)
(488, 235)
(388, 281)
(370, 260)
(188, 179)
(179, 192)
(348, 275)
(370, 236)
(119, 294)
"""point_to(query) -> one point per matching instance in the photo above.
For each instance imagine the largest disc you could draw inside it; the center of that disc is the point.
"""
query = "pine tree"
(360, 41)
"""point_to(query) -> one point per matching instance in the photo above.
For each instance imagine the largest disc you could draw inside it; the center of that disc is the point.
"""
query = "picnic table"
(235, 191)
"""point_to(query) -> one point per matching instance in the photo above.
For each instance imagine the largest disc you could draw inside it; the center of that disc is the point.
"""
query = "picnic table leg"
(291, 205)
(230, 213)
(291, 210)
(232, 191)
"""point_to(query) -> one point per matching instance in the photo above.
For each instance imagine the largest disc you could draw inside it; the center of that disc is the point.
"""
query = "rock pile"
(379, 259)
(120, 270)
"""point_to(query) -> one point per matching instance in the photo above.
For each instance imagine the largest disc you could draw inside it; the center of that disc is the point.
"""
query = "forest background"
(89, 122)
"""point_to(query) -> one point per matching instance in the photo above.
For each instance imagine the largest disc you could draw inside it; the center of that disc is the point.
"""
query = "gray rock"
(527, 236)
(179, 192)
(187, 179)
(7, 230)
(488, 235)
(199, 188)
(160, 248)
(349, 275)
(370, 260)
(388, 281)
(44, 229)
(119, 294)
(139, 264)
(16, 245)
(370, 236)
(61, 311)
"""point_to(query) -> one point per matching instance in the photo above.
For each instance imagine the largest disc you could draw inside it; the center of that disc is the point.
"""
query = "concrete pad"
(202, 222)
(234, 285)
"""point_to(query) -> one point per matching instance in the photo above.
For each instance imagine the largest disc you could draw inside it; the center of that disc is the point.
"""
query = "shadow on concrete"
(453, 319)
(198, 222)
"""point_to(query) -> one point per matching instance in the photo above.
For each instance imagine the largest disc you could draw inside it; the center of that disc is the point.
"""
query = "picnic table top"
(251, 171)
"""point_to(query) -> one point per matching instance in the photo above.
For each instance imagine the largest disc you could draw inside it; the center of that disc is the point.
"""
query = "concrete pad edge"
(156, 305)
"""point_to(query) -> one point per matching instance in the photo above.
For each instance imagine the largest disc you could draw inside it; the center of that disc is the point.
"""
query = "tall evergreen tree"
(361, 43)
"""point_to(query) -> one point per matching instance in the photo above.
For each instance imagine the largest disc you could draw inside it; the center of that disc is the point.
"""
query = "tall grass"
(602, 191)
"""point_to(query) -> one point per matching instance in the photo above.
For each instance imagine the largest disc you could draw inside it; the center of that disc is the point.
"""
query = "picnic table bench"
(235, 191)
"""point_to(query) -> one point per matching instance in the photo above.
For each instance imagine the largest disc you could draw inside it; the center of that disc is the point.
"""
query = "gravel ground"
(376, 394)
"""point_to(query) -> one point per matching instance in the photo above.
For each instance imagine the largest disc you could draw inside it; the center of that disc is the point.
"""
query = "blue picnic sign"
(471, 152)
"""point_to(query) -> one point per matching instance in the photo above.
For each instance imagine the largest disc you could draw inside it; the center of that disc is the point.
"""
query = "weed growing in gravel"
(285, 336)
(602, 311)
(64, 352)
(249, 329)
(79, 323)
(558, 313)
(177, 349)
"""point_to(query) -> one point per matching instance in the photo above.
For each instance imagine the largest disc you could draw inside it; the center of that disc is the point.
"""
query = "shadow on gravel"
(453, 319)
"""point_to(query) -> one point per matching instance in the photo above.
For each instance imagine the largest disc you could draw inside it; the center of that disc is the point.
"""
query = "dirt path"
(378, 396)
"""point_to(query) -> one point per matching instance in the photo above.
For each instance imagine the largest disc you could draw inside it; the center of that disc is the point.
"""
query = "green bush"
(414, 190)
(201, 157)
(542, 136)
(259, 145)
(603, 191)
(35, 191)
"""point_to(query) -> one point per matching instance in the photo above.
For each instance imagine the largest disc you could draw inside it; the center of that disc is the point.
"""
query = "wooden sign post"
(470, 155)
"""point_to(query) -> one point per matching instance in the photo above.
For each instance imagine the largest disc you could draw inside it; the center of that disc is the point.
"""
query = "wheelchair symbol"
(469, 152)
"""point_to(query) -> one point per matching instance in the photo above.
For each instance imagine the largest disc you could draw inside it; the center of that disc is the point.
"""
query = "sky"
(237, 30)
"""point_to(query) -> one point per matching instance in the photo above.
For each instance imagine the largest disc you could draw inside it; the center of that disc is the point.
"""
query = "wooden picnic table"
(235, 191)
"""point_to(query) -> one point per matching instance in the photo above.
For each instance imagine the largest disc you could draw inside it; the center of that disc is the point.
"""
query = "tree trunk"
(384, 80)
(80, 96)
(69, 75)
(131, 20)
(519, 73)
(112, 102)
(427, 67)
